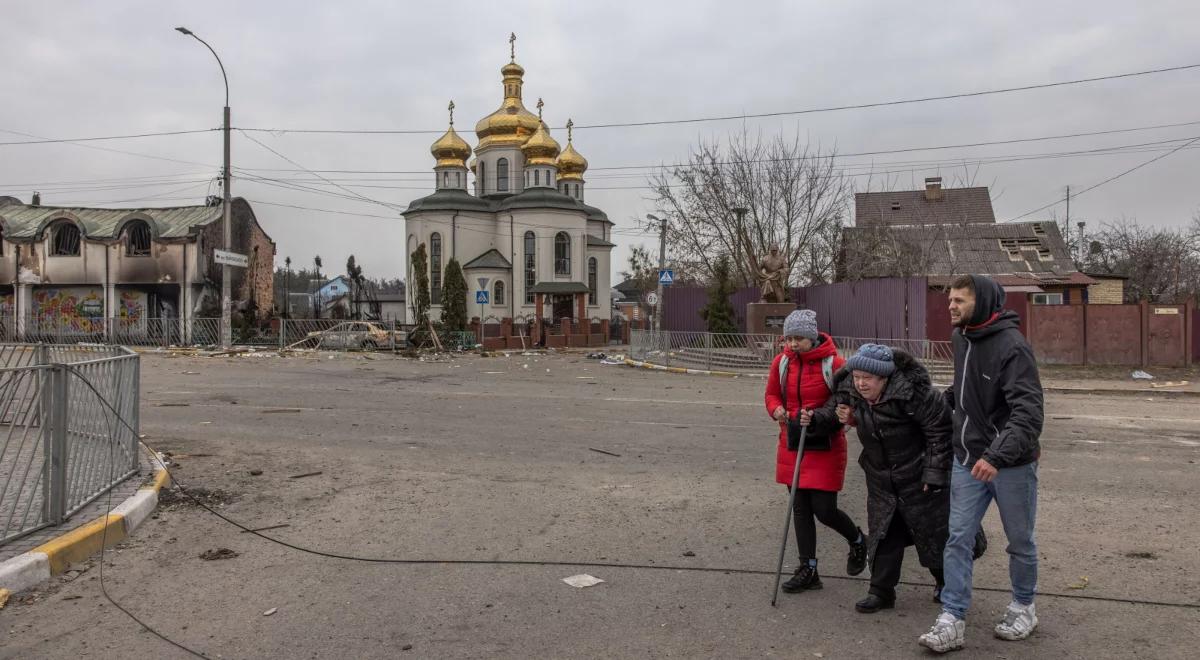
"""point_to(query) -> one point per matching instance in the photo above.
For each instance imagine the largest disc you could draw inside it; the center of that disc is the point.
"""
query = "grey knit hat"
(801, 323)
(873, 359)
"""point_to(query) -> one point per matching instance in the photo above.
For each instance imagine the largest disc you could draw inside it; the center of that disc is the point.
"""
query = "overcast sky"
(79, 69)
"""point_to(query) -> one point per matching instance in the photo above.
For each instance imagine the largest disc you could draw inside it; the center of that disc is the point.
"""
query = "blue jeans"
(1015, 492)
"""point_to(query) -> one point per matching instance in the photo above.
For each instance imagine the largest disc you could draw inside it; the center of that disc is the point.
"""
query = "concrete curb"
(683, 370)
(56, 555)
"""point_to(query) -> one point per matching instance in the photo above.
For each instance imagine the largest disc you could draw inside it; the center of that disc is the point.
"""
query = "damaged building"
(93, 273)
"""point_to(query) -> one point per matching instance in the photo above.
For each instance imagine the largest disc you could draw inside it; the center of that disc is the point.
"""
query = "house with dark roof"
(941, 233)
(95, 272)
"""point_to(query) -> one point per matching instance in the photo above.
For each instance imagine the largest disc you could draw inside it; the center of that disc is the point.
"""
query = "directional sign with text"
(231, 258)
(481, 297)
(666, 277)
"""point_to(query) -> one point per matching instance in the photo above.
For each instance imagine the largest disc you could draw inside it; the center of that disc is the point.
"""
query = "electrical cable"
(106, 137)
(762, 115)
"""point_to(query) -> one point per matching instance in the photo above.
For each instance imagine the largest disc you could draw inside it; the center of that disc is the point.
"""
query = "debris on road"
(582, 581)
(1141, 375)
(281, 410)
(1173, 383)
(271, 611)
(306, 474)
(263, 529)
(1082, 584)
(689, 553)
(219, 553)
(255, 473)
(601, 451)
(4, 594)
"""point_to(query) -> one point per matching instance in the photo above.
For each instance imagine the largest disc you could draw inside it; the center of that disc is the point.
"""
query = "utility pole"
(226, 309)
(662, 264)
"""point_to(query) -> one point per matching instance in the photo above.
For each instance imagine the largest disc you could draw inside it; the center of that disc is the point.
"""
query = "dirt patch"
(174, 498)
(1141, 554)
(217, 554)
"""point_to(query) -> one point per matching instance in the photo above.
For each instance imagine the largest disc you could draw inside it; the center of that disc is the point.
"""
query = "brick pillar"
(506, 327)
(604, 329)
(476, 327)
(564, 326)
(581, 299)
(537, 325)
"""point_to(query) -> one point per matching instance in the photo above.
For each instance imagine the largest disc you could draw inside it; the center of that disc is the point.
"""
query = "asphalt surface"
(490, 459)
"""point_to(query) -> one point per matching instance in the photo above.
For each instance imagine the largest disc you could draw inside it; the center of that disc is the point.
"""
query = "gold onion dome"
(450, 150)
(511, 123)
(540, 149)
(571, 165)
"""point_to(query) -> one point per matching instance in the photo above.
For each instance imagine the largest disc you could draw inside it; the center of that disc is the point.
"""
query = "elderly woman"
(904, 427)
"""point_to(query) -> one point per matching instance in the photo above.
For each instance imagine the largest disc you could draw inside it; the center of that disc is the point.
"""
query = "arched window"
(498, 294)
(562, 254)
(530, 266)
(502, 175)
(592, 281)
(457, 184)
(137, 239)
(445, 179)
(435, 269)
(537, 177)
(64, 239)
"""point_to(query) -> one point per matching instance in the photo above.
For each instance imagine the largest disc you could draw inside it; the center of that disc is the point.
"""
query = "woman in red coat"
(799, 380)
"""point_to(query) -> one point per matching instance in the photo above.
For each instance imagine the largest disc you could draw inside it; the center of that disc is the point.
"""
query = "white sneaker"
(947, 634)
(1018, 623)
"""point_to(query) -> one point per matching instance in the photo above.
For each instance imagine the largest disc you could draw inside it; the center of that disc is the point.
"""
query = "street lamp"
(226, 328)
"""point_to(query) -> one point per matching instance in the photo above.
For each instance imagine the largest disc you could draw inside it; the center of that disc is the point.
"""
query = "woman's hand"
(805, 417)
(780, 414)
(845, 414)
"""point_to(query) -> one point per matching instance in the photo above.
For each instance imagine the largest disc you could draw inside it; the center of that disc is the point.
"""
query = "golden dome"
(541, 149)
(571, 165)
(450, 150)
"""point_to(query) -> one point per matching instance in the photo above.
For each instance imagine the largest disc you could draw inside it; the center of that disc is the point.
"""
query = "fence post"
(135, 413)
(666, 341)
(392, 335)
(282, 331)
(55, 441)
(708, 350)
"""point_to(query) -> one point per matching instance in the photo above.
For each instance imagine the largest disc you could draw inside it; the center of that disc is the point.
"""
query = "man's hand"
(983, 471)
(805, 417)
(845, 414)
(780, 414)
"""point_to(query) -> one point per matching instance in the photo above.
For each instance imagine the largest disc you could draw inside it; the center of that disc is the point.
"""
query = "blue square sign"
(481, 297)
(666, 277)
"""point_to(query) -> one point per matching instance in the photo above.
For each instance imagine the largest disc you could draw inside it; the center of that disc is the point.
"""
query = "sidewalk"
(50, 551)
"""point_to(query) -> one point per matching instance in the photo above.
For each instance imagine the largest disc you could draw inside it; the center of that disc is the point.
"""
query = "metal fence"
(62, 441)
(750, 353)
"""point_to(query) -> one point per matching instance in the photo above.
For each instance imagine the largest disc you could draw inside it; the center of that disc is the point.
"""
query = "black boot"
(856, 561)
(873, 603)
(804, 579)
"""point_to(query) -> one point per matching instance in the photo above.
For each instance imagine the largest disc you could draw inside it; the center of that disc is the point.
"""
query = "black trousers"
(889, 559)
(819, 505)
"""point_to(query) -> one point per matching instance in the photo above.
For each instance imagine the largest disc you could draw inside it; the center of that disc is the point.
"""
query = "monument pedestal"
(767, 318)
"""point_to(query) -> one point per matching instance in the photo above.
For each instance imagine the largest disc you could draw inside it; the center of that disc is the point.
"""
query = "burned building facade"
(101, 273)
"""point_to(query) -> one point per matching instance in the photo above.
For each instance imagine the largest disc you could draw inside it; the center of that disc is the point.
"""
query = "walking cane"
(787, 523)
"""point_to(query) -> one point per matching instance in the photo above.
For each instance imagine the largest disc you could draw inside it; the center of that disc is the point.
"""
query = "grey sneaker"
(946, 634)
(1018, 623)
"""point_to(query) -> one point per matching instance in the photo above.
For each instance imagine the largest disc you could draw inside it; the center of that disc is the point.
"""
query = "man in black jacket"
(998, 412)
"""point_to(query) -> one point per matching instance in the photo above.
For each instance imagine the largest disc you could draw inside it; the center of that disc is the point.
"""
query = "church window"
(498, 295)
(530, 266)
(435, 269)
(481, 180)
(445, 179)
(592, 281)
(562, 254)
(502, 175)
(537, 177)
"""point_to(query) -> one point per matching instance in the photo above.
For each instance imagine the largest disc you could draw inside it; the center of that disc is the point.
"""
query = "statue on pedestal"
(772, 276)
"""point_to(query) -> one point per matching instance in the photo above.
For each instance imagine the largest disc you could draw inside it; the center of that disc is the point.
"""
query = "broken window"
(562, 254)
(530, 266)
(137, 239)
(1014, 246)
(65, 240)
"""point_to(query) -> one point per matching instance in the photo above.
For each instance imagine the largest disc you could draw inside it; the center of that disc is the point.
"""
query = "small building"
(97, 273)
(942, 233)
(1109, 289)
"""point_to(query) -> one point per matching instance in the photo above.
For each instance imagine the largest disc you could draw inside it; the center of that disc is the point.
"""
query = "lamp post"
(662, 263)
(226, 329)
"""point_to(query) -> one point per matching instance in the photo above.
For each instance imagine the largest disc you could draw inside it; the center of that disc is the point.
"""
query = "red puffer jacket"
(820, 470)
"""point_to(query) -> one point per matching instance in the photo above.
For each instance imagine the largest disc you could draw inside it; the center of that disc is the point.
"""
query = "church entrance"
(562, 308)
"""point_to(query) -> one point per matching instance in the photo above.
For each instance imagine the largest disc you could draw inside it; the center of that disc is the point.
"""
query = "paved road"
(488, 459)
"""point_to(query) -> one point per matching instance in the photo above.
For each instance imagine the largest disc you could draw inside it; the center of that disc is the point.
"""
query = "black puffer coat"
(906, 446)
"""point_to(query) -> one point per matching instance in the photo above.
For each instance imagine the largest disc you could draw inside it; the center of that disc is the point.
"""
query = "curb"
(55, 556)
(682, 370)
(1164, 394)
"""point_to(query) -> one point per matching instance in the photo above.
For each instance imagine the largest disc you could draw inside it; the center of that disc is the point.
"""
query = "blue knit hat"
(873, 359)
(801, 323)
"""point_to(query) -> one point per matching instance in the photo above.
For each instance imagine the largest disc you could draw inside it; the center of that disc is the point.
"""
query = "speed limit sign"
(652, 299)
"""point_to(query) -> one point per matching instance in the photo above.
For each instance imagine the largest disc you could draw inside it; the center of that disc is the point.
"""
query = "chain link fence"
(62, 441)
(747, 353)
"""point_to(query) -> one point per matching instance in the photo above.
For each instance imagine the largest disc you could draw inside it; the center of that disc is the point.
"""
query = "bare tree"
(1162, 265)
(793, 196)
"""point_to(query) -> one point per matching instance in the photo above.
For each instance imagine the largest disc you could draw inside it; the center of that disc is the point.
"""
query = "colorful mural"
(131, 310)
(73, 310)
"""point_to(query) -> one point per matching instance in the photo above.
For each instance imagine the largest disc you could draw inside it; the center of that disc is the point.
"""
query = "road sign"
(652, 299)
(666, 277)
(481, 297)
(483, 282)
(231, 258)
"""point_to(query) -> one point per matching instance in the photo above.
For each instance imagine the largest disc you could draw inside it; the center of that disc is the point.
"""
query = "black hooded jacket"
(997, 394)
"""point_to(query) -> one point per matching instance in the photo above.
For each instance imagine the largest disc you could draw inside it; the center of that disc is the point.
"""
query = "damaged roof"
(24, 221)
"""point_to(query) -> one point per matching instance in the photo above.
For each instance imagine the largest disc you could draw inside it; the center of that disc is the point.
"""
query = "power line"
(111, 150)
(1111, 178)
(763, 115)
(106, 137)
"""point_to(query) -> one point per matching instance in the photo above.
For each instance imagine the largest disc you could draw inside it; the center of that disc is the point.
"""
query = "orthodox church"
(518, 224)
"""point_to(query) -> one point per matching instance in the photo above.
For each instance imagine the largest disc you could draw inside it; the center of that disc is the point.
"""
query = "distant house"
(942, 233)
(632, 303)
